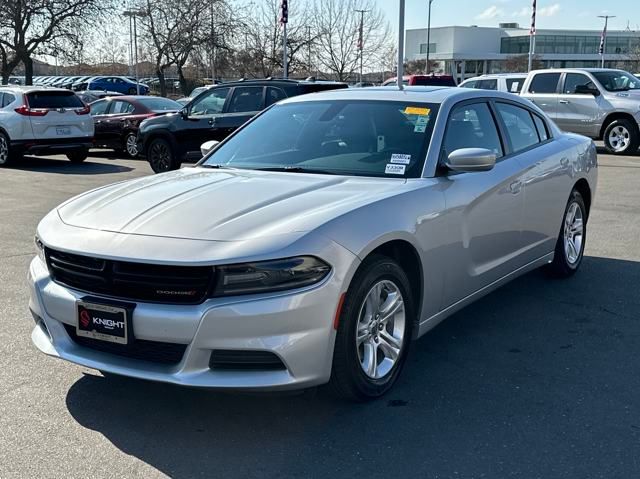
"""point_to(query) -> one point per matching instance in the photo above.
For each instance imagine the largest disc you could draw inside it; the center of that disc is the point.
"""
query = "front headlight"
(268, 276)
(40, 249)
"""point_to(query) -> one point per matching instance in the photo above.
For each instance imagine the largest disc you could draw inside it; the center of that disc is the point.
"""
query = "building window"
(567, 44)
(423, 48)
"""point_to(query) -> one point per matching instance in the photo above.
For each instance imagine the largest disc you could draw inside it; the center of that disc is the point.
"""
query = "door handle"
(564, 102)
(212, 122)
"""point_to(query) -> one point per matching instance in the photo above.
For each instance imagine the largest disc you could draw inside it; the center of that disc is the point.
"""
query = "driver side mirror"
(587, 90)
(184, 113)
(207, 146)
(469, 160)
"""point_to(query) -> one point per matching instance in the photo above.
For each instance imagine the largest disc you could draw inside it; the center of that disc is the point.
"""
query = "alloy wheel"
(619, 138)
(380, 329)
(4, 150)
(160, 156)
(131, 145)
(573, 233)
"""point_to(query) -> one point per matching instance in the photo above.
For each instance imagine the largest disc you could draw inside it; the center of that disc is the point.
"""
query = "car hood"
(223, 205)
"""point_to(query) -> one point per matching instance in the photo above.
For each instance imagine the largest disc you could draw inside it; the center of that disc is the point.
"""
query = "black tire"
(348, 379)
(78, 156)
(629, 136)
(6, 155)
(161, 156)
(125, 145)
(562, 267)
(132, 91)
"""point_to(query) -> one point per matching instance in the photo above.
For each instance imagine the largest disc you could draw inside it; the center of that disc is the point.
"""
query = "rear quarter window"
(54, 99)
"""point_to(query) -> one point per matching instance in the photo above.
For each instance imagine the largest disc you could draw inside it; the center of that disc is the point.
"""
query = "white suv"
(507, 82)
(43, 121)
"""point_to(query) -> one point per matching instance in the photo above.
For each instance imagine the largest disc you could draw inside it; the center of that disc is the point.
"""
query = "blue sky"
(573, 14)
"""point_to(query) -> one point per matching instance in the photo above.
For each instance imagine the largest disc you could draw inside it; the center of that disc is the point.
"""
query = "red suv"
(425, 80)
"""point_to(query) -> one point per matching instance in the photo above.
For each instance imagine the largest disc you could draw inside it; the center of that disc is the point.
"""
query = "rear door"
(60, 114)
(578, 112)
(543, 91)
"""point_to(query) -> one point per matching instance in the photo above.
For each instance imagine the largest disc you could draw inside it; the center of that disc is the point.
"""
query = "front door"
(200, 124)
(485, 208)
(578, 112)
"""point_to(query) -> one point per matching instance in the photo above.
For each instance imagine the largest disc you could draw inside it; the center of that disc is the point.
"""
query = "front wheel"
(374, 331)
(132, 91)
(78, 156)
(571, 241)
(161, 156)
(621, 137)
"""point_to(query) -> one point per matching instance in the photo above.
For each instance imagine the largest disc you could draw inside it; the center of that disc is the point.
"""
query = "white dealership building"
(470, 51)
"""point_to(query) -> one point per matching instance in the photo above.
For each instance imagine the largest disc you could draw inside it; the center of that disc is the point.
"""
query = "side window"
(472, 126)
(541, 126)
(274, 95)
(121, 107)
(514, 85)
(487, 84)
(246, 99)
(2, 104)
(544, 83)
(521, 130)
(572, 80)
(99, 107)
(210, 103)
(469, 84)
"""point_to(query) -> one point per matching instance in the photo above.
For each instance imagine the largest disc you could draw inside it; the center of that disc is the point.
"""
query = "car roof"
(31, 88)
(418, 94)
(588, 70)
(275, 81)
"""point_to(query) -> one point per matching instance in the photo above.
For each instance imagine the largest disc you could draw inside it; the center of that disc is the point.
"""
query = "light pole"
(309, 48)
(361, 39)
(428, 37)
(400, 68)
(603, 40)
(133, 14)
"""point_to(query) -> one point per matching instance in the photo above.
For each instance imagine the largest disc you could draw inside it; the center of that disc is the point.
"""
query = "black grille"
(152, 351)
(245, 360)
(137, 281)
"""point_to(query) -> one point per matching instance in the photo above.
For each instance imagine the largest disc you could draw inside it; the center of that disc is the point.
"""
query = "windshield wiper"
(296, 169)
(216, 167)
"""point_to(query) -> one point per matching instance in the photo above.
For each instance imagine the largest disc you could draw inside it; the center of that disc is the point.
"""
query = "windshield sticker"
(392, 169)
(414, 110)
(420, 128)
(401, 159)
(422, 120)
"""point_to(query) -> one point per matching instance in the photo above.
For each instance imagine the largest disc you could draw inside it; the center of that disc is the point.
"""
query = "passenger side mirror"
(469, 160)
(587, 90)
(207, 146)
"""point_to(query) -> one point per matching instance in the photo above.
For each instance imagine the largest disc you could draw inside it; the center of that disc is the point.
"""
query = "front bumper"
(296, 326)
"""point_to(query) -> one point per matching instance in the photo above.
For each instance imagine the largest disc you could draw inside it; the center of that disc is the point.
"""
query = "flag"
(284, 12)
(360, 39)
(533, 19)
(602, 38)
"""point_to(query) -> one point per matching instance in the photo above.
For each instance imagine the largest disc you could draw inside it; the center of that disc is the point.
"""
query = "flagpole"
(532, 35)
(603, 40)
(284, 19)
(400, 72)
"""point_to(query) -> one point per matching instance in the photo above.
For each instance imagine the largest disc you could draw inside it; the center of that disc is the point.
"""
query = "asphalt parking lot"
(539, 379)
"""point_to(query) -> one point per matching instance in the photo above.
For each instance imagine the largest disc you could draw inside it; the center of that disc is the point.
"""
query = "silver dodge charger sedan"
(315, 243)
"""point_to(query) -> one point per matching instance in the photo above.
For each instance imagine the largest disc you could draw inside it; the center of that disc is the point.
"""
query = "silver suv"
(43, 121)
(507, 82)
(598, 103)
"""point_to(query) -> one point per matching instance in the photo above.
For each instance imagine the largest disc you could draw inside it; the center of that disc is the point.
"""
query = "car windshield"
(159, 104)
(360, 138)
(617, 81)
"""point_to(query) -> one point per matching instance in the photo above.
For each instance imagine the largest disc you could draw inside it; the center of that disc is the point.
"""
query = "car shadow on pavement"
(538, 379)
(65, 167)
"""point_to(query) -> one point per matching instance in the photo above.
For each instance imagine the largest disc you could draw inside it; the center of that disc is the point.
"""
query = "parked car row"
(120, 84)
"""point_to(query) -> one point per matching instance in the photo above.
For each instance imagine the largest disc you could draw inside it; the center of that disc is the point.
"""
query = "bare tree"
(28, 27)
(520, 63)
(338, 23)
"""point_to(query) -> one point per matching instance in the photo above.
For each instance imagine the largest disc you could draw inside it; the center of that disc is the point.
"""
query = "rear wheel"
(374, 331)
(5, 153)
(571, 241)
(161, 156)
(78, 156)
(130, 146)
(621, 137)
